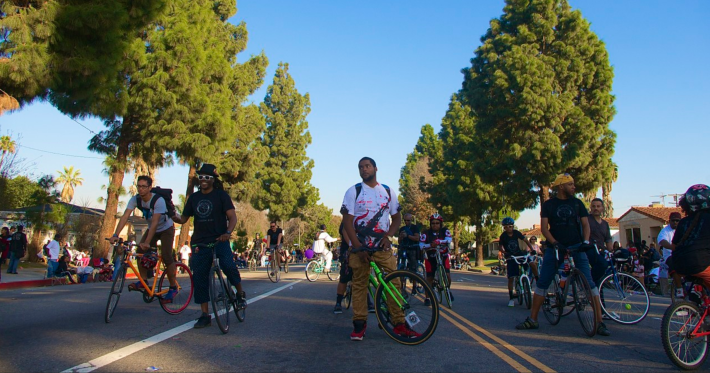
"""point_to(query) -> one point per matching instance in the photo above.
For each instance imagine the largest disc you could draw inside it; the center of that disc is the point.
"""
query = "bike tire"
(518, 290)
(625, 301)
(527, 292)
(679, 321)
(348, 297)
(115, 294)
(584, 303)
(272, 271)
(286, 267)
(252, 265)
(551, 307)
(445, 292)
(567, 299)
(420, 321)
(334, 273)
(312, 271)
(185, 290)
(239, 311)
(220, 299)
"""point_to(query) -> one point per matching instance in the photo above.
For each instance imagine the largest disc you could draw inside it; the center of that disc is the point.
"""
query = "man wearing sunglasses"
(160, 228)
(275, 236)
(409, 243)
(214, 221)
(665, 239)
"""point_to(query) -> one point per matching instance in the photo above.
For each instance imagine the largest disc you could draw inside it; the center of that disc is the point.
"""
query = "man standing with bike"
(214, 220)
(373, 204)
(510, 246)
(599, 235)
(564, 222)
(409, 243)
(431, 239)
(160, 228)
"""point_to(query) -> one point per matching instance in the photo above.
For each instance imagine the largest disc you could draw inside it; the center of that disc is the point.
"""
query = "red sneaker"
(359, 331)
(404, 331)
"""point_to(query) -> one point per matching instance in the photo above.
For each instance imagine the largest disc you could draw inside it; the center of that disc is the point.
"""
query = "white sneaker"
(679, 293)
(511, 303)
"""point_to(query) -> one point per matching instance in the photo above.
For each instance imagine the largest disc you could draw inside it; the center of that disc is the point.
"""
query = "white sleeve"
(447, 237)
(131, 205)
(160, 207)
(328, 238)
(394, 203)
(348, 206)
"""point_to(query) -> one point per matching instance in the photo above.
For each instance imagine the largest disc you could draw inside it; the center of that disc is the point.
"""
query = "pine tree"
(286, 174)
(540, 89)
(414, 177)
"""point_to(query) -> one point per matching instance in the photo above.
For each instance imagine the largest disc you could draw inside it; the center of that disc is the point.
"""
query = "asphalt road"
(290, 327)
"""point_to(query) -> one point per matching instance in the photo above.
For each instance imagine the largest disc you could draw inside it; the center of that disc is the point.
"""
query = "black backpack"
(166, 194)
(358, 189)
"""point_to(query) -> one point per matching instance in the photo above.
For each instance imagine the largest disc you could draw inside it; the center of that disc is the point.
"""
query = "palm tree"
(70, 177)
(7, 145)
(606, 193)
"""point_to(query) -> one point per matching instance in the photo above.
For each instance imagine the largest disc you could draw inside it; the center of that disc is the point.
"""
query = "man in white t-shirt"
(319, 246)
(665, 239)
(366, 211)
(54, 248)
(185, 252)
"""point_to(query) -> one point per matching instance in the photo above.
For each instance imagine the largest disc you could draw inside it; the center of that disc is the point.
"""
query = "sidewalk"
(25, 278)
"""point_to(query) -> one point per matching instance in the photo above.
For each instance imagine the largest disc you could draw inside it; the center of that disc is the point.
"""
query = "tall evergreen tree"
(285, 176)
(540, 89)
(415, 176)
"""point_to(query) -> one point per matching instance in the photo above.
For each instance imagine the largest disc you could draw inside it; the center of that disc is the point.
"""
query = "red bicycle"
(685, 330)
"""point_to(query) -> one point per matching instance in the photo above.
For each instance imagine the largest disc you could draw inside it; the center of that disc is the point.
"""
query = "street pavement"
(290, 327)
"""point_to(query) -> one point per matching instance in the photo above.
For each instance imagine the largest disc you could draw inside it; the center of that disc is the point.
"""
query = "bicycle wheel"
(677, 327)
(527, 293)
(334, 273)
(406, 319)
(348, 297)
(624, 298)
(566, 298)
(272, 271)
(286, 266)
(518, 289)
(313, 271)
(182, 299)
(584, 303)
(252, 264)
(240, 310)
(445, 292)
(115, 295)
(551, 306)
(220, 299)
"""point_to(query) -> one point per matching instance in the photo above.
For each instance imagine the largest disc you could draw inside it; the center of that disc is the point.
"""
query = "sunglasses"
(506, 226)
(675, 220)
(205, 177)
(273, 226)
(407, 219)
(435, 222)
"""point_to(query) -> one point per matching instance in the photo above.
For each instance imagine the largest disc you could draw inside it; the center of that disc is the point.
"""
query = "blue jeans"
(599, 265)
(201, 263)
(14, 262)
(52, 266)
(550, 265)
(116, 266)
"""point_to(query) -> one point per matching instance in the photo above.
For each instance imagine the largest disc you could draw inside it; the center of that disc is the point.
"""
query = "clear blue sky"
(376, 72)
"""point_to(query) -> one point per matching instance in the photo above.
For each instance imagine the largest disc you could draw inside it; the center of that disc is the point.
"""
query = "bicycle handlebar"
(517, 258)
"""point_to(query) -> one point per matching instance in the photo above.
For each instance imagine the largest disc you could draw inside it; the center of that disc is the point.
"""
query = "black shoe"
(427, 302)
(451, 295)
(338, 309)
(242, 300)
(528, 324)
(370, 308)
(203, 322)
(602, 330)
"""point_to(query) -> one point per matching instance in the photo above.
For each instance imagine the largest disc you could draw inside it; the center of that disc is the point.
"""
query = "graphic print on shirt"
(371, 210)
(429, 236)
(369, 232)
(204, 209)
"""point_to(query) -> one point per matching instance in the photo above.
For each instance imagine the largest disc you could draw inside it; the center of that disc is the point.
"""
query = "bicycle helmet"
(697, 197)
(436, 216)
(149, 260)
(508, 221)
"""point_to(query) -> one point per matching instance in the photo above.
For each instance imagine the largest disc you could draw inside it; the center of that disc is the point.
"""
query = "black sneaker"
(203, 322)
(427, 302)
(451, 295)
(602, 330)
(370, 308)
(338, 309)
(528, 324)
(242, 300)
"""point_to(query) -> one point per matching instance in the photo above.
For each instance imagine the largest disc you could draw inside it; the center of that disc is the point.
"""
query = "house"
(643, 223)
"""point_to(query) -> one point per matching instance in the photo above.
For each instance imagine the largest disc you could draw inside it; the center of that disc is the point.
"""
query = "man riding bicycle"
(564, 222)
(275, 235)
(510, 246)
(214, 221)
(319, 246)
(435, 238)
(409, 243)
(691, 242)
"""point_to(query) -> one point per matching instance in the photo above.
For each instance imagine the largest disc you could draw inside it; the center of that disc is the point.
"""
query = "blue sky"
(377, 71)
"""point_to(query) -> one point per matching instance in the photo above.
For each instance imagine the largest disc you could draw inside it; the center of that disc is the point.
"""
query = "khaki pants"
(361, 272)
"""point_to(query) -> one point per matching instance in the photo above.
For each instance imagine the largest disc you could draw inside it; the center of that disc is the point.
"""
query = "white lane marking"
(131, 349)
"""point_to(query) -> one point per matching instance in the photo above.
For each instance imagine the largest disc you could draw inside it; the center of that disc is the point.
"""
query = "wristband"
(114, 235)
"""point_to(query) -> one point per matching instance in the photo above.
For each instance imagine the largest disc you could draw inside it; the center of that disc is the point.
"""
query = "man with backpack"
(158, 209)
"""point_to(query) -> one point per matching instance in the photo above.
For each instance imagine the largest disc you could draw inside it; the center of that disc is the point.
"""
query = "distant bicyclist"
(564, 222)
(510, 246)
(319, 246)
(691, 242)
(437, 237)
(274, 237)
(214, 220)
(160, 228)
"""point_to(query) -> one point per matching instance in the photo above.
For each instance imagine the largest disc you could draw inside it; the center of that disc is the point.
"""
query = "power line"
(66, 155)
(87, 128)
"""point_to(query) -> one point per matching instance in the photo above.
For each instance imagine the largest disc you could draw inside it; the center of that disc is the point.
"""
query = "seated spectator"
(65, 268)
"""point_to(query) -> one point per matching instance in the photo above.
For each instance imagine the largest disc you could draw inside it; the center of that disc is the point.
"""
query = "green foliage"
(286, 174)
(540, 89)
(414, 177)
(17, 192)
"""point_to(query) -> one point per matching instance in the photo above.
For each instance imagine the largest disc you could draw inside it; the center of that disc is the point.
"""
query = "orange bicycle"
(150, 293)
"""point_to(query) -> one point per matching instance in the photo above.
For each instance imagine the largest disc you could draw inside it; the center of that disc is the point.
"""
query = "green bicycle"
(395, 304)
(316, 267)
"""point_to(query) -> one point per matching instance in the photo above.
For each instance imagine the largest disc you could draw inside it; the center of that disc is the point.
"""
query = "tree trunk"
(608, 204)
(36, 242)
(544, 194)
(185, 229)
(116, 174)
(479, 244)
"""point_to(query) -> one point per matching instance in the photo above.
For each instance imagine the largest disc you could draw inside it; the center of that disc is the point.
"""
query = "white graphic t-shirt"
(371, 212)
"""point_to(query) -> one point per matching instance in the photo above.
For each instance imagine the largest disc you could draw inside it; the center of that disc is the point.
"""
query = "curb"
(37, 283)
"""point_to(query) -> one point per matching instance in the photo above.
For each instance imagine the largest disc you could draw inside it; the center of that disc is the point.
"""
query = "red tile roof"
(536, 231)
(657, 213)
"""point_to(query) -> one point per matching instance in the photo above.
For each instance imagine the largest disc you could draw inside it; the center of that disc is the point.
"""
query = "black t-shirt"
(274, 236)
(510, 244)
(411, 231)
(599, 233)
(564, 219)
(692, 255)
(210, 215)
(429, 236)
